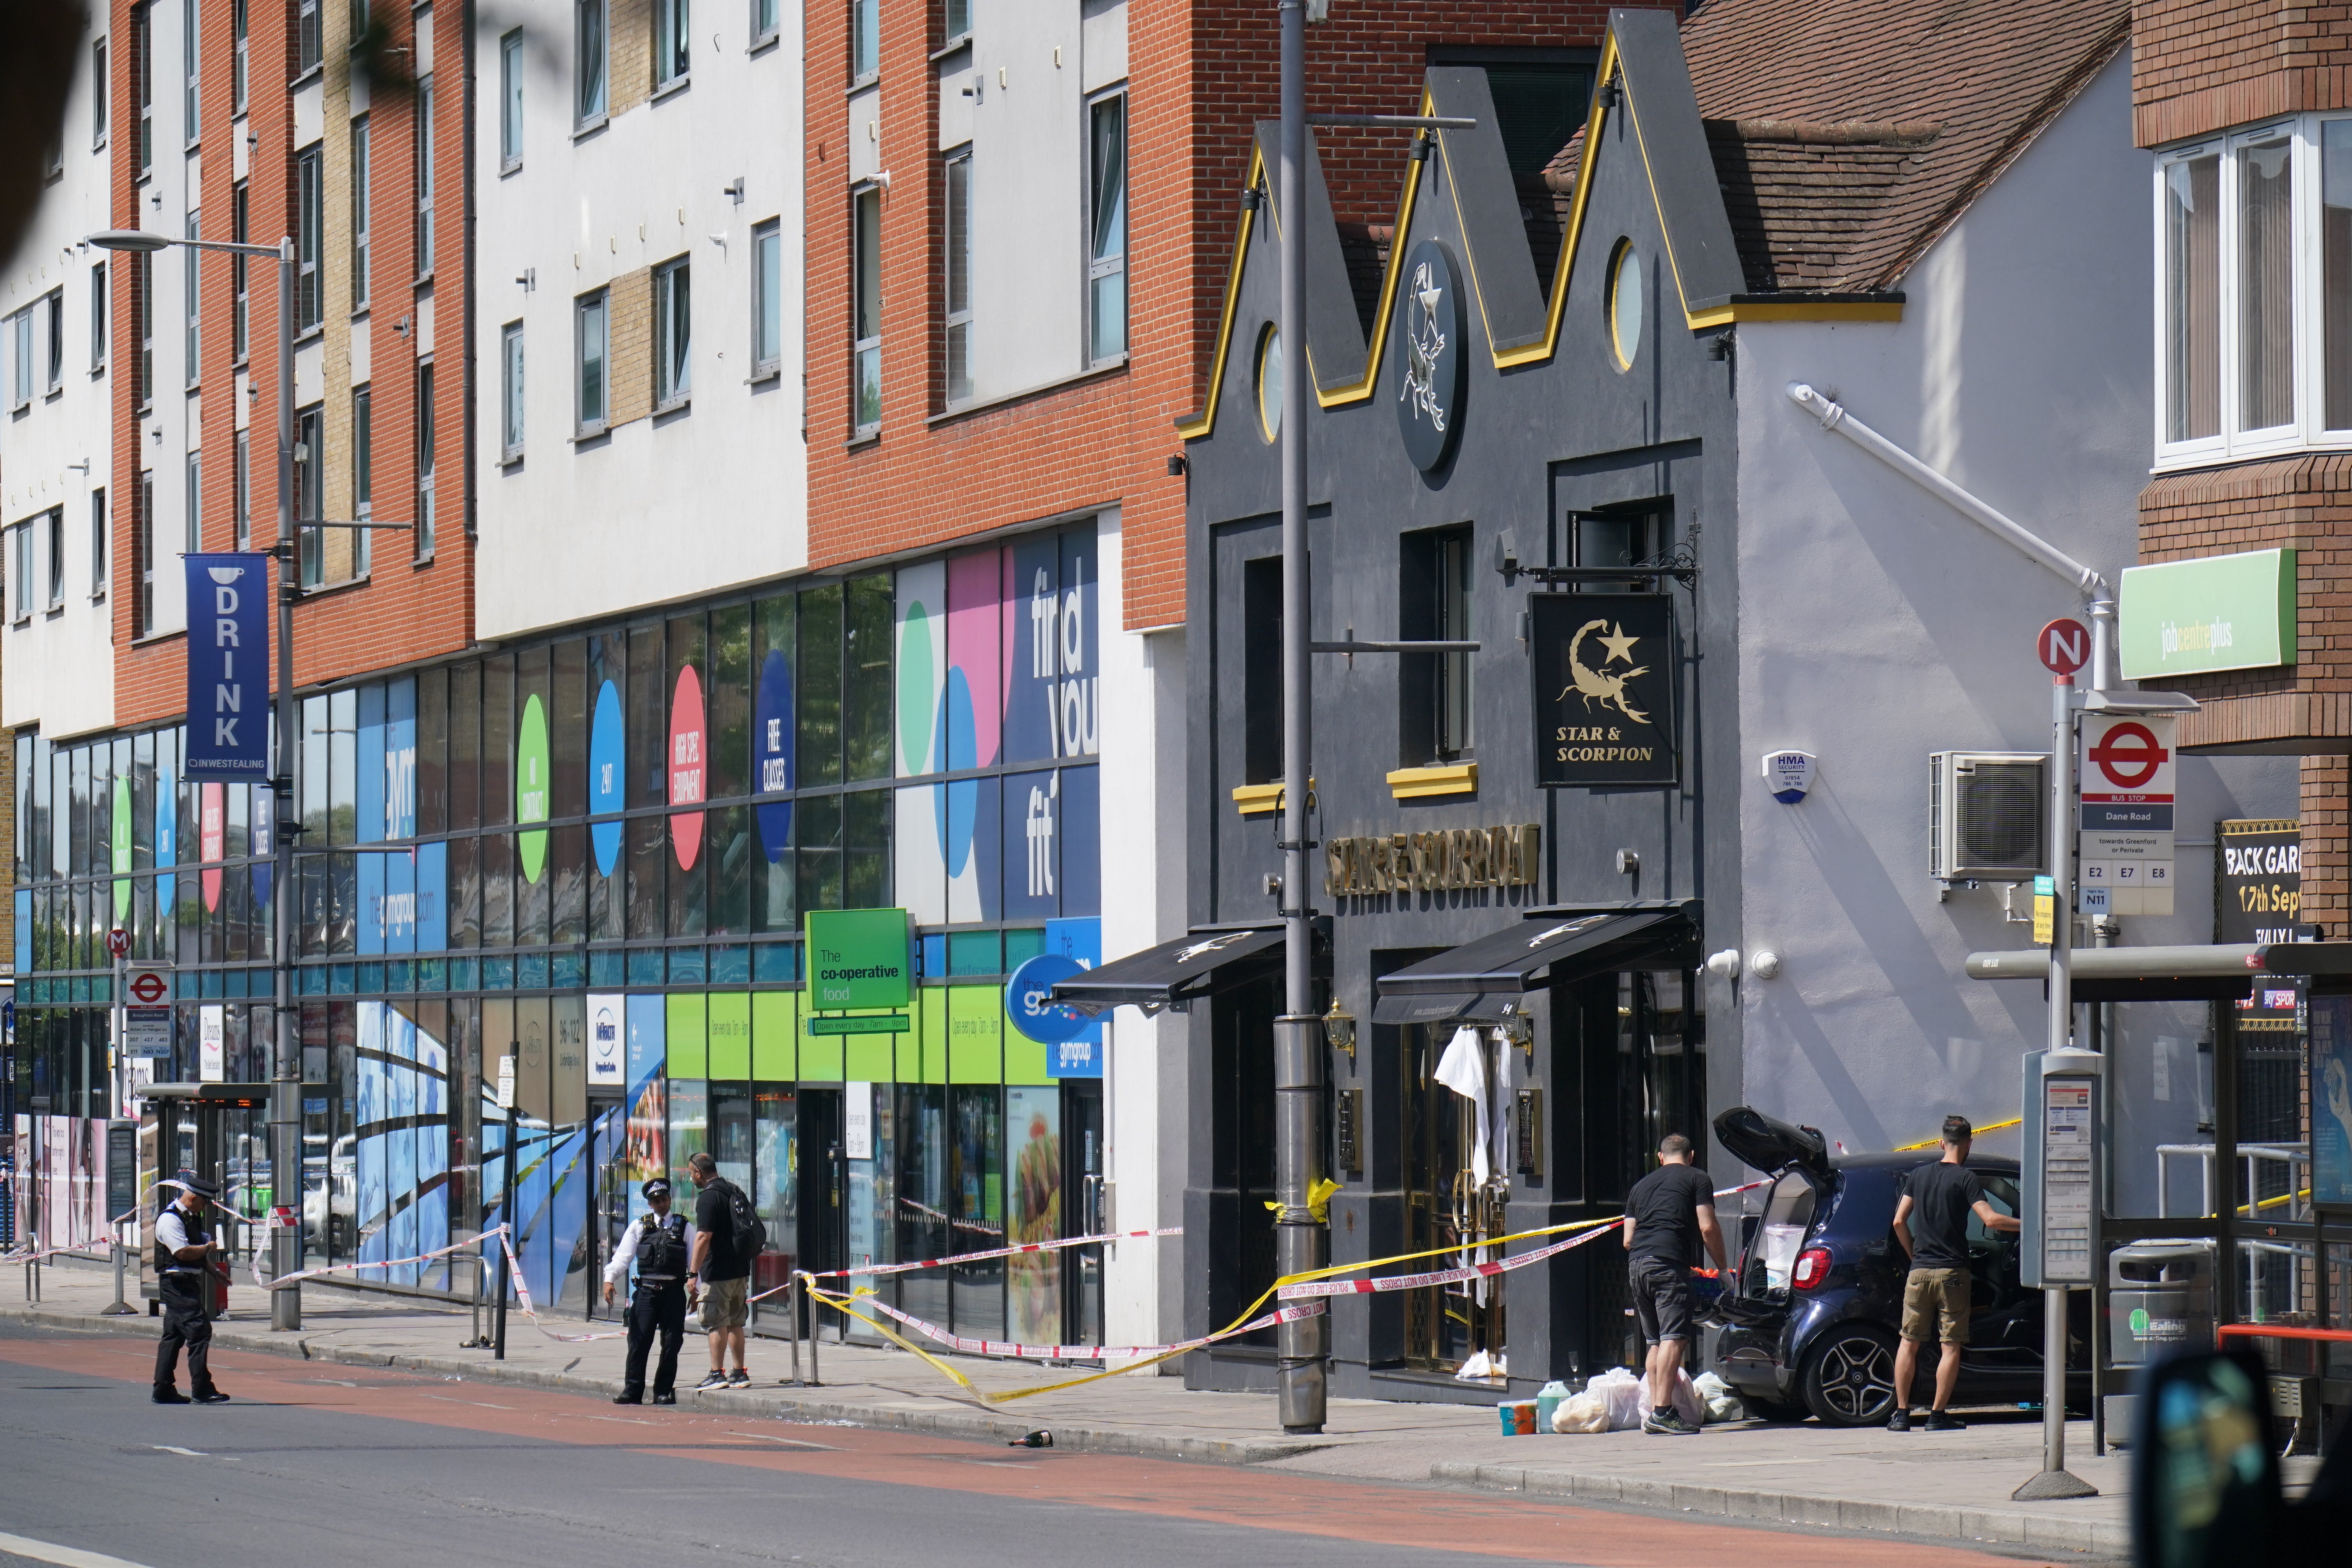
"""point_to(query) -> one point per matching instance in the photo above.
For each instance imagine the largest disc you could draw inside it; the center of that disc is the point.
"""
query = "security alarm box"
(1988, 816)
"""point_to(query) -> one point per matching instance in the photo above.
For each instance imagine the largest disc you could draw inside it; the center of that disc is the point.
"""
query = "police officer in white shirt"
(184, 1249)
(660, 1243)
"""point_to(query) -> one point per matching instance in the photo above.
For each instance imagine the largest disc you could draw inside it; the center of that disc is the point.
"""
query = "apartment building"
(341, 125)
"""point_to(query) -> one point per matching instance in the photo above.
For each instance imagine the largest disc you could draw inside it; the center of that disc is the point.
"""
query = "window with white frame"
(955, 23)
(240, 270)
(673, 333)
(362, 476)
(510, 361)
(191, 300)
(2254, 292)
(956, 291)
(142, 84)
(590, 335)
(97, 97)
(359, 213)
(590, 56)
(308, 45)
(237, 53)
(765, 19)
(53, 345)
(142, 541)
(21, 601)
(192, 522)
(310, 490)
(98, 323)
(242, 484)
(191, 98)
(1107, 228)
(54, 528)
(143, 290)
(20, 358)
(673, 43)
(767, 299)
(98, 542)
(424, 176)
(865, 39)
(420, 527)
(511, 100)
(309, 193)
(866, 309)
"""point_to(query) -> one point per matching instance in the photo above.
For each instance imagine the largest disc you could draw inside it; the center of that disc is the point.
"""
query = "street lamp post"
(286, 1065)
(1301, 1241)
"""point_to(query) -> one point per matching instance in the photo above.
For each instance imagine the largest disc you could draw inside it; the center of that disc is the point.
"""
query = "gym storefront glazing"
(596, 853)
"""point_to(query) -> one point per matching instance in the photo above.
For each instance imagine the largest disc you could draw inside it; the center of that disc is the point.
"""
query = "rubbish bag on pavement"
(1582, 1413)
(1621, 1393)
(1716, 1394)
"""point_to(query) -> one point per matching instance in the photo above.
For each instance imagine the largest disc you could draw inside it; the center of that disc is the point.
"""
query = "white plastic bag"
(1582, 1413)
(1722, 1405)
(1687, 1402)
(1623, 1393)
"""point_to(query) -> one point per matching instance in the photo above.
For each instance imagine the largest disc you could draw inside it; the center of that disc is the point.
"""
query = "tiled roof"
(1849, 134)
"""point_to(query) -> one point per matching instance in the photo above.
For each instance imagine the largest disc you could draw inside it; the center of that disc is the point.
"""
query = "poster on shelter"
(2331, 1100)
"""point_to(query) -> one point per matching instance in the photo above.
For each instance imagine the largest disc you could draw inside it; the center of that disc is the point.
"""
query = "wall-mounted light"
(1520, 1031)
(1339, 1029)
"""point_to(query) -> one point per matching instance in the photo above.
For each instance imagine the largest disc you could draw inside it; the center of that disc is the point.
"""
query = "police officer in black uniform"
(659, 1243)
(184, 1249)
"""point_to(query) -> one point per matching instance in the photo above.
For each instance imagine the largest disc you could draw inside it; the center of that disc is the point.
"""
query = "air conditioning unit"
(1988, 815)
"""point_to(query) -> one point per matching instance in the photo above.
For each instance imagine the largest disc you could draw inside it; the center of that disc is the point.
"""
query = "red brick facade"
(1200, 75)
(2200, 66)
(401, 612)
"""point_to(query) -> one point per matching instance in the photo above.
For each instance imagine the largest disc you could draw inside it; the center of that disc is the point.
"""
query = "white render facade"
(56, 441)
(662, 197)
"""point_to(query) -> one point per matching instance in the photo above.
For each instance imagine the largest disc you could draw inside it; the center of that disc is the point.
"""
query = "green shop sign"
(2219, 612)
(859, 958)
(531, 787)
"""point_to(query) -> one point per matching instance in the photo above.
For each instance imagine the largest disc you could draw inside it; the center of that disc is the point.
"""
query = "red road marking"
(1487, 1523)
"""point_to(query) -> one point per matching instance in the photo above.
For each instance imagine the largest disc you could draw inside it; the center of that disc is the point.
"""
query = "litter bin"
(2160, 1298)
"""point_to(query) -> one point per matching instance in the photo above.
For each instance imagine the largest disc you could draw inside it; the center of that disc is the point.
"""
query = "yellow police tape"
(1931, 1142)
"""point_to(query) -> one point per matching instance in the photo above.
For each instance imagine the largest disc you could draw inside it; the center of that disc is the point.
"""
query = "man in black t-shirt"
(1932, 1222)
(1668, 1215)
(724, 1277)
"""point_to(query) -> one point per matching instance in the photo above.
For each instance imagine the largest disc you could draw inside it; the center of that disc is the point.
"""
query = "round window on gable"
(1269, 383)
(1625, 303)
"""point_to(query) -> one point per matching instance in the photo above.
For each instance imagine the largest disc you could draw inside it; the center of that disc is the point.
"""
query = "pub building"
(1560, 915)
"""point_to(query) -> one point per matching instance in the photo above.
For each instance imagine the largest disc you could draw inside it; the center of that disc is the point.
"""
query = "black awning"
(1486, 979)
(1176, 974)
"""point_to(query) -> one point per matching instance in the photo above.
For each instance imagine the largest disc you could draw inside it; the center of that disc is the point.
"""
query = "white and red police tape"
(970, 1346)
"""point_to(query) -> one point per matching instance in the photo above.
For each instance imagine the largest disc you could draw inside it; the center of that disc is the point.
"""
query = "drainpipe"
(2098, 595)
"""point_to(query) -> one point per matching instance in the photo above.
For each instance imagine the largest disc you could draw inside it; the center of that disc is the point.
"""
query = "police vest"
(661, 1249)
(197, 1236)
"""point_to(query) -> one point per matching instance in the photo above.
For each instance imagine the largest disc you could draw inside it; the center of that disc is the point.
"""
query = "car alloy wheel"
(1850, 1380)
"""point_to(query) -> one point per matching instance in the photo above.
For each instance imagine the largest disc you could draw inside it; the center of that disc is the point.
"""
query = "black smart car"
(1810, 1327)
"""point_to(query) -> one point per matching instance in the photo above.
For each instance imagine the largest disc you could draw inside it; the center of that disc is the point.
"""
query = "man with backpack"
(728, 1236)
(659, 1243)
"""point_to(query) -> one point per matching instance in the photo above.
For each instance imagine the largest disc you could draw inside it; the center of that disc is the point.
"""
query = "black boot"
(628, 1398)
(170, 1396)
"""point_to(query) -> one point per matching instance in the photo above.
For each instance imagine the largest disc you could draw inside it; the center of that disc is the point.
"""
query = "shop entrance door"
(608, 1202)
(824, 1200)
(1446, 1206)
(1088, 1214)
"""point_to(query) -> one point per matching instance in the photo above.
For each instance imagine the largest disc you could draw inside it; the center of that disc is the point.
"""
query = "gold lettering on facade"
(1505, 856)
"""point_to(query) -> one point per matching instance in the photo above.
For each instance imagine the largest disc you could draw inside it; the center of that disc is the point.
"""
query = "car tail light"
(1812, 1267)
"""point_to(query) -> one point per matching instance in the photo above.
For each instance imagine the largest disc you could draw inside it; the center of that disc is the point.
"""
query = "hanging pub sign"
(228, 667)
(1429, 330)
(1604, 689)
(2258, 898)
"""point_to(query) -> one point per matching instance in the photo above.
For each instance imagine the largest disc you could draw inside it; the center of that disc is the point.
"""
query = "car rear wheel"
(1850, 1377)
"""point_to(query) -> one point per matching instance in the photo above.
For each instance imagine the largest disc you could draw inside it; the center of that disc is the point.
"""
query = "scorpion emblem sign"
(1597, 685)
(1429, 328)
(1604, 697)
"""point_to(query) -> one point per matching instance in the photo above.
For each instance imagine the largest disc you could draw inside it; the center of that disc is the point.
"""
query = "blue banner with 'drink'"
(228, 667)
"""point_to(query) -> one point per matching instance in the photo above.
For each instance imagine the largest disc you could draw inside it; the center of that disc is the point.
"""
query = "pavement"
(1918, 1486)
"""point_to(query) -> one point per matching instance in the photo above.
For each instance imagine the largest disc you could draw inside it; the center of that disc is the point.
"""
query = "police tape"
(287, 1282)
(969, 1346)
(523, 1295)
(872, 1269)
(847, 1306)
(1313, 1287)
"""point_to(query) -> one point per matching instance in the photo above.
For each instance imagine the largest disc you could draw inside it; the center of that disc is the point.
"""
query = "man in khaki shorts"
(1932, 1224)
(724, 1277)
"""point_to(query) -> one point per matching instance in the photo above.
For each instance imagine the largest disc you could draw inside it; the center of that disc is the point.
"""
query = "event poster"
(2331, 1100)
